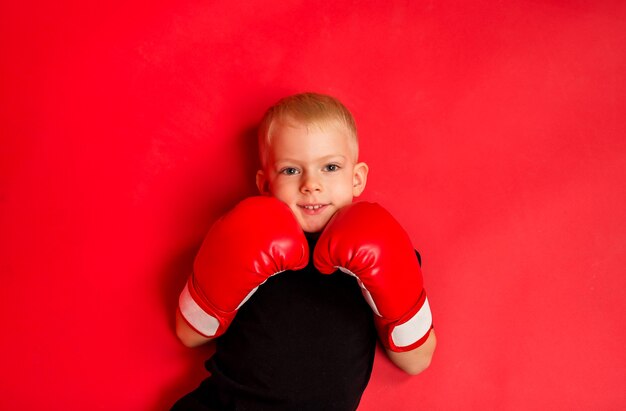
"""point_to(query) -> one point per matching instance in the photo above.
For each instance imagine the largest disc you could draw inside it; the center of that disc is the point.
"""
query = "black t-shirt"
(303, 341)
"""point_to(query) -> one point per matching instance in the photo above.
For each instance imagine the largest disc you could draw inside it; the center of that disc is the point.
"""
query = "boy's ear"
(262, 183)
(359, 179)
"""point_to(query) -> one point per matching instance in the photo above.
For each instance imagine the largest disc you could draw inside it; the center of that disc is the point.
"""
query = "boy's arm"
(415, 361)
(365, 241)
(258, 238)
(186, 334)
(418, 359)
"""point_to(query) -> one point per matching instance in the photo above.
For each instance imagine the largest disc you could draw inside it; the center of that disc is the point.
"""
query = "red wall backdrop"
(495, 132)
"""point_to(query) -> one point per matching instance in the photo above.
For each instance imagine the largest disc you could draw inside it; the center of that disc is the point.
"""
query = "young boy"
(298, 282)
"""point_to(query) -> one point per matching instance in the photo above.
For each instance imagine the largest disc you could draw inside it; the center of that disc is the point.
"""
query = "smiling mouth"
(312, 208)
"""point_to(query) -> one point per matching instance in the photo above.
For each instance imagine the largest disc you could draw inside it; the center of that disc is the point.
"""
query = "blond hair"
(314, 109)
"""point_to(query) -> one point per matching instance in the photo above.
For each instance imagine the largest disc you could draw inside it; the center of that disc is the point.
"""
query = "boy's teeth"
(315, 207)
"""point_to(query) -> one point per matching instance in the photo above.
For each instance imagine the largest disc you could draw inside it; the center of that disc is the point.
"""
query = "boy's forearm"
(417, 360)
(187, 335)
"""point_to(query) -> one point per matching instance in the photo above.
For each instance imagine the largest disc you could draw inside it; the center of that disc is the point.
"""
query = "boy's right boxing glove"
(260, 237)
(364, 240)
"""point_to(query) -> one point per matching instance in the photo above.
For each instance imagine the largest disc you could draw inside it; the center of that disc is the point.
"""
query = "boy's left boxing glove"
(364, 240)
(260, 237)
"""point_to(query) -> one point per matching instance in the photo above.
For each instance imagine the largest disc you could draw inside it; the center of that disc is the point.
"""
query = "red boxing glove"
(260, 237)
(364, 240)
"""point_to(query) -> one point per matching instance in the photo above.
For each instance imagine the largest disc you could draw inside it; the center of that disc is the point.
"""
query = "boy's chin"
(312, 228)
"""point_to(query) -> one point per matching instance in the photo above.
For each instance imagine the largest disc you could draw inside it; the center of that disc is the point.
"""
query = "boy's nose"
(310, 184)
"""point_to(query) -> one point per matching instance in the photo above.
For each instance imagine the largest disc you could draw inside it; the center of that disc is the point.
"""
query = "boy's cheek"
(280, 189)
(279, 194)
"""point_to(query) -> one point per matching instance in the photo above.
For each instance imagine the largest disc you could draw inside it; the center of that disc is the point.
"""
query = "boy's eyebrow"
(322, 159)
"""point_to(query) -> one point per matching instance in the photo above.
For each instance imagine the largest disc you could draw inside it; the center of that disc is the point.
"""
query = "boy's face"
(313, 171)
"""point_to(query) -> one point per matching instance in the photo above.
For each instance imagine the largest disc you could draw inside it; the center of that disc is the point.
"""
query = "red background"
(494, 131)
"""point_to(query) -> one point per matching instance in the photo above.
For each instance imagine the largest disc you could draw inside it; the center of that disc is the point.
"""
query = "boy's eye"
(331, 167)
(289, 171)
